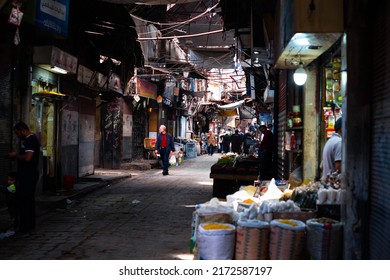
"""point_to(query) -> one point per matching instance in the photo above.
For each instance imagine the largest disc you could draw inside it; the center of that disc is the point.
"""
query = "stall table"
(225, 184)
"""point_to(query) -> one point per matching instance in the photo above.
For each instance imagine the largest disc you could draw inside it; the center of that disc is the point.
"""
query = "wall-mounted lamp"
(300, 75)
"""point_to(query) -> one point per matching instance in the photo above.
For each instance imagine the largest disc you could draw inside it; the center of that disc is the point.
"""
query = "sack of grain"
(252, 240)
(216, 241)
(324, 239)
(287, 240)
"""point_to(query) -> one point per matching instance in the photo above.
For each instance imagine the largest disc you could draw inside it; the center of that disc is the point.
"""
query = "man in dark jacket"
(164, 147)
(265, 153)
(236, 141)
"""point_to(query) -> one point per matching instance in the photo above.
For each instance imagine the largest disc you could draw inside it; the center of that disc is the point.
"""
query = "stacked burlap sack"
(252, 240)
(245, 227)
(324, 239)
(287, 240)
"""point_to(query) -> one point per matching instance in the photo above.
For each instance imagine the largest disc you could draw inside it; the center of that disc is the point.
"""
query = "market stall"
(270, 220)
(232, 171)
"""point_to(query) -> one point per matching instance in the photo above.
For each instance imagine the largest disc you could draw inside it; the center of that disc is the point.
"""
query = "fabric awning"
(228, 113)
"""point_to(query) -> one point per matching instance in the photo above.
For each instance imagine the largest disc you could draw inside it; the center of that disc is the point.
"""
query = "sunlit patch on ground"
(206, 183)
(184, 256)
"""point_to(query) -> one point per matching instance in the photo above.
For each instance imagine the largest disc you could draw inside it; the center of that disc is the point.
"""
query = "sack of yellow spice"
(216, 241)
(287, 240)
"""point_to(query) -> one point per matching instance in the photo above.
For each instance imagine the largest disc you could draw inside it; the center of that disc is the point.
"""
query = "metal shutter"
(282, 171)
(379, 229)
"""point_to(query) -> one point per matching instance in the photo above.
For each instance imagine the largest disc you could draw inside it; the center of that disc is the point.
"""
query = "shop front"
(46, 113)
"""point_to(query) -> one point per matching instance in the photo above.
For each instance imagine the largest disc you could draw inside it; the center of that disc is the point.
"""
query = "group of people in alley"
(235, 141)
(256, 141)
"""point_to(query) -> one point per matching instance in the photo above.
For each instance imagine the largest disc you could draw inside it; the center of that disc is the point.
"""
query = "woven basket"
(324, 239)
(252, 241)
(287, 242)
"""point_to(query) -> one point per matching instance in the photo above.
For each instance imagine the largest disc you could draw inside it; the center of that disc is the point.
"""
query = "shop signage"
(91, 78)
(168, 91)
(146, 89)
(63, 60)
(53, 15)
(16, 16)
(167, 102)
(52, 58)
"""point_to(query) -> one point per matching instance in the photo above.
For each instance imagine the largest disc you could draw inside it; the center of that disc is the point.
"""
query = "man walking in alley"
(27, 176)
(164, 147)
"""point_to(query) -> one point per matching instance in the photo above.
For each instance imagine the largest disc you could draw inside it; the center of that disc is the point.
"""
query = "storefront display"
(270, 220)
(332, 105)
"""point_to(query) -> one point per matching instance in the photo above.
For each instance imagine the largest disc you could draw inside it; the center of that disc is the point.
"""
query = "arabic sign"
(63, 60)
(53, 15)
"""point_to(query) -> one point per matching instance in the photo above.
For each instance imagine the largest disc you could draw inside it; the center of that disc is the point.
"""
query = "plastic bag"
(172, 160)
(295, 178)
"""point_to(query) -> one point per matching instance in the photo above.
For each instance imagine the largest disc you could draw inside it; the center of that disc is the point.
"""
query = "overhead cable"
(181, 36)
(176, 23)
(173, 26)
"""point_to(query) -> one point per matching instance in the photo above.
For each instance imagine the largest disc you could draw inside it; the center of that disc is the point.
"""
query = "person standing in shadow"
(265, 153)
(26, 177)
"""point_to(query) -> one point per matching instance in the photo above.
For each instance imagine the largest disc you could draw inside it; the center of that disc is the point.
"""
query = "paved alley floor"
(145, 217)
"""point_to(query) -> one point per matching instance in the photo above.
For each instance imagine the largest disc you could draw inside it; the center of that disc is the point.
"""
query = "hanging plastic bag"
(172, 160)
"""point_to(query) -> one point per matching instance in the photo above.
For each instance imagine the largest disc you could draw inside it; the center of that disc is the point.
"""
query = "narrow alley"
(145, 217)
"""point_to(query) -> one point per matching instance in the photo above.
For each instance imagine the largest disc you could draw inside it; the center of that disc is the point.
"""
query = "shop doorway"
(43, 118)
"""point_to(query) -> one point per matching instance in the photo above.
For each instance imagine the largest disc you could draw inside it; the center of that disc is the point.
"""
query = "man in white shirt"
(332, 153)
